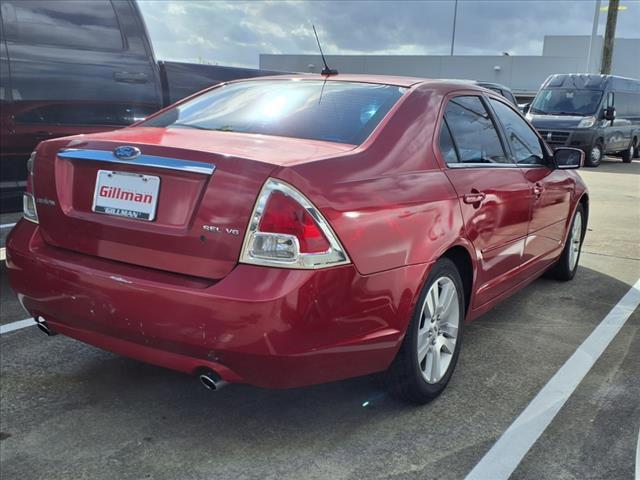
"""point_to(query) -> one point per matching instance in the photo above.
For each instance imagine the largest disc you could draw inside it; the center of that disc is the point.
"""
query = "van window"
(562, 101)
(610, 100)
(628, 105)
(64, 23)
(473, 131)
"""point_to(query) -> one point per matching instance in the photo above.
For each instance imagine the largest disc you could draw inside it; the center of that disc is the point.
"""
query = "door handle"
(474, 198)
(537, 190)
(130, 77)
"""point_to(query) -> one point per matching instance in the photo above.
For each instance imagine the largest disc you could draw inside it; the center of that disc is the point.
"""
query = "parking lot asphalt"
(70, 411)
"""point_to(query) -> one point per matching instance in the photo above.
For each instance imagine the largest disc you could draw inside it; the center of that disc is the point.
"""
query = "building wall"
(626, 53)
(524, 74)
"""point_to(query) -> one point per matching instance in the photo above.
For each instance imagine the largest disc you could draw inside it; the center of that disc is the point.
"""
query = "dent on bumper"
(268, 327)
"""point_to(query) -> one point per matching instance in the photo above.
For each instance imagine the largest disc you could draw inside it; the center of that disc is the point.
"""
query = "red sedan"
(289, 231)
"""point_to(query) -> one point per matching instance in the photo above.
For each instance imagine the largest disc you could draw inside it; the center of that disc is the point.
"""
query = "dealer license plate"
(126, 194)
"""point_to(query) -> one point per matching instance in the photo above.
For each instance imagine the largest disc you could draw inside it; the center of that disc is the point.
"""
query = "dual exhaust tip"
(212, 381)
(41, 323)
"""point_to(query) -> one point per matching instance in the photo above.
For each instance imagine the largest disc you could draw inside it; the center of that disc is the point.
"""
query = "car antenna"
(326, 70)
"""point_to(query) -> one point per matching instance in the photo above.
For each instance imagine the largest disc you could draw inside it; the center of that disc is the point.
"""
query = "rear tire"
(567, 265)
(595, 154)
(431, 346)
(637, 151)
(629, 153)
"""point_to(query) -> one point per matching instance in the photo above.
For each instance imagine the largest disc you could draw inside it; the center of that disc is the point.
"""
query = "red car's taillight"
(30, 167)
(283, 214)
(286, 230)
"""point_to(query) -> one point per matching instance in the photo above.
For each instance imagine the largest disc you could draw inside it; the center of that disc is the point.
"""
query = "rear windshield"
(344, 112)
(566, 102)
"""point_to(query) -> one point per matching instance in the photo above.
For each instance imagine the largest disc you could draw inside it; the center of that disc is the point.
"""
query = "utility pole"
(609, 36)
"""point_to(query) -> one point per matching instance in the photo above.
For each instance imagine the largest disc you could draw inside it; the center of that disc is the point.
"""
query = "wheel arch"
(598, 138)
(463, 261)
(584, 201)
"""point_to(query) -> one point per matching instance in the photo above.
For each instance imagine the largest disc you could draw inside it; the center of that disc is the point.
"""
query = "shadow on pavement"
(616, 165)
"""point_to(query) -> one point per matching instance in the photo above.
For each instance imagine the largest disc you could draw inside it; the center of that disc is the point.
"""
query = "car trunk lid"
(208, 183)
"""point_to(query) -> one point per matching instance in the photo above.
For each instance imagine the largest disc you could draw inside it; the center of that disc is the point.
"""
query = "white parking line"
(7, 225)
(505, 455)
(10, 327)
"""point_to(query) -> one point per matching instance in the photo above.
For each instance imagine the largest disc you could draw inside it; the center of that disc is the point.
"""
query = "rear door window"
(525, 144)
(447, 147)
(473, 132)
(64, 23)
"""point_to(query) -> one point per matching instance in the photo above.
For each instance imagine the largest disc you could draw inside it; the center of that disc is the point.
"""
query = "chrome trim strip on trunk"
(143, 160)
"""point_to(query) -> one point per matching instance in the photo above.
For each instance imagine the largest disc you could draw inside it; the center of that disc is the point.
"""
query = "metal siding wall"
(562, 54)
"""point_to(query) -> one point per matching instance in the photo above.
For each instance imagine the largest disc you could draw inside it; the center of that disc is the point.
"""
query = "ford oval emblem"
(126, 152)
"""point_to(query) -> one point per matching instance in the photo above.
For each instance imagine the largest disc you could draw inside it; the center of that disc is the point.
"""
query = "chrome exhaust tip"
(211, 381)
(42, 325)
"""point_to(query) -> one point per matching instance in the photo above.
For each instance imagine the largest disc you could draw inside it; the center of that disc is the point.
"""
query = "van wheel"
(636, 153)
(594, 156)
(629, 153)
(567, 265)
(429, 352)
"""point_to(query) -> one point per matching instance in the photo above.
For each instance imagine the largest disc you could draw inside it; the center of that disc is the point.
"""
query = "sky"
(234, 33)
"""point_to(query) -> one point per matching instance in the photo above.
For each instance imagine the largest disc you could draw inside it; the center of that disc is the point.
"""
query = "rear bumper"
(268, 327)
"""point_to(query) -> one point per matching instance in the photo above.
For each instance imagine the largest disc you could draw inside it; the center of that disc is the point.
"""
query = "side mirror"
(610, 114)
(567, 158)
(526, 107)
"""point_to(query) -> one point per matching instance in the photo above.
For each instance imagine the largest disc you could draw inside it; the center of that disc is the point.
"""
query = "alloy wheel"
(438, 329)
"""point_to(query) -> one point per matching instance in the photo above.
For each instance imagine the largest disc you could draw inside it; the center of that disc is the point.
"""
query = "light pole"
(594, 33)
(453, 32)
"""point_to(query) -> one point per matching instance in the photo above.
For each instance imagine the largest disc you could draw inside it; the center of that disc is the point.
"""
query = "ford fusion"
(289, 231)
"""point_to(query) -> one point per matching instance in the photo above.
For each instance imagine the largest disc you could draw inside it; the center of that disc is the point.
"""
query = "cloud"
(236, 32)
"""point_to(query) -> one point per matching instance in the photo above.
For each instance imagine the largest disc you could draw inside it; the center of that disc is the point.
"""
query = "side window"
(473, 131)
(509, 96)
(624, 105)
(64, 23)
(610, 99)
(628, 105)
(525, 144)
(84, 113)
(447, 148)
